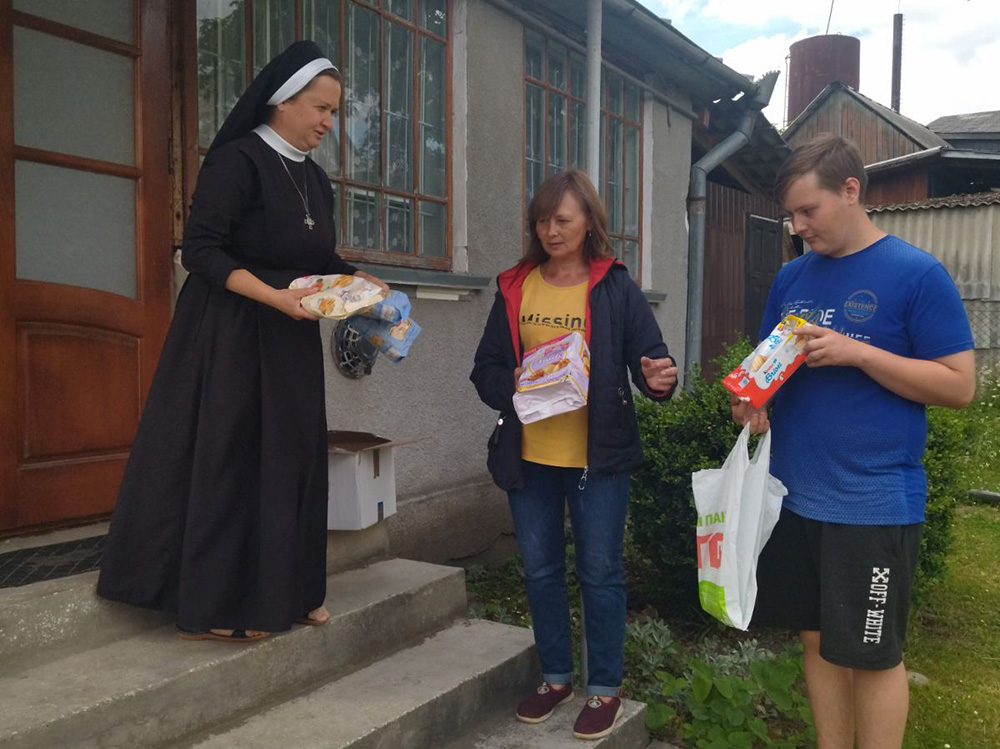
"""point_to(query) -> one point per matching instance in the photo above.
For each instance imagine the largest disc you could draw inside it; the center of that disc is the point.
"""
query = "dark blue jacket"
(620, 330)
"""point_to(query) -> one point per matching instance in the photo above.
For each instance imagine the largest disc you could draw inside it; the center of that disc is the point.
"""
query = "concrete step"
(54, 618)
(46, 621)
(419, 697)
(507, 732)
(154, 687)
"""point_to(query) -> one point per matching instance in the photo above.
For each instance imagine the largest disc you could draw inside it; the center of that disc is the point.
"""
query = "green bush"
(649, 649)
(948, 440)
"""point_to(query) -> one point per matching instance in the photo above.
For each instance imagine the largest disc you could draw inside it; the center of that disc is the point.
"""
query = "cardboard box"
(362, 479)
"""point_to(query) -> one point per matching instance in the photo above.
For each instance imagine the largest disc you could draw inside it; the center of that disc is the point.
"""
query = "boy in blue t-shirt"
(890, 337)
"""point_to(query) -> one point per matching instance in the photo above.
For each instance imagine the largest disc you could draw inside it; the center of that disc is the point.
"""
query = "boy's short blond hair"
(832, 158)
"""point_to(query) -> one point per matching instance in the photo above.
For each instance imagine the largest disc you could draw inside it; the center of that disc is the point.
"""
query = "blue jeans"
(597, 513)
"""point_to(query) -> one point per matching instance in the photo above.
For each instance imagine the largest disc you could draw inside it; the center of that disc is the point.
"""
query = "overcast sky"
(951, 48)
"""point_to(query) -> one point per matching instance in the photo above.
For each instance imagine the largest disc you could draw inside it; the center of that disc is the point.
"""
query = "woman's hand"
(289, 301)
(517, 377)
(743, 413)
(246, 284)
(372, 279)
(660, 374)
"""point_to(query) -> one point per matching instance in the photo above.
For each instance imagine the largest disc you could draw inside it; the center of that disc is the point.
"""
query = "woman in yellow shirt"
(569, 281)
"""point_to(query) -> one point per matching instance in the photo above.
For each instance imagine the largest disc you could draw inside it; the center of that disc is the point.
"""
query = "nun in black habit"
(221, 515)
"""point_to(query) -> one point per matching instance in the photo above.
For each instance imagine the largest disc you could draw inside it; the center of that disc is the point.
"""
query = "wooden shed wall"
(726, 213)
(843, 115)
(898, 187)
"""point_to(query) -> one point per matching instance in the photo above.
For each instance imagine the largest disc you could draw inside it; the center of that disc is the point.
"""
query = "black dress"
(221, 515)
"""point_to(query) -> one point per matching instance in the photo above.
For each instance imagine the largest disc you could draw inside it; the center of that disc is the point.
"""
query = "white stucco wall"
(429, 393)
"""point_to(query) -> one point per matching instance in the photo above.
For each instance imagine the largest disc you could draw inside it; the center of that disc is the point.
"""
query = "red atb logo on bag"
(710, 544)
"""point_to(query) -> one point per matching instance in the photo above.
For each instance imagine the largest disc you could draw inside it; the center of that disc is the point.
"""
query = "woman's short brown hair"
(546, 202)
(833, 159)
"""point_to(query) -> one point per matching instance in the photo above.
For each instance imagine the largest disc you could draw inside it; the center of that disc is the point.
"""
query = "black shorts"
(849, 582)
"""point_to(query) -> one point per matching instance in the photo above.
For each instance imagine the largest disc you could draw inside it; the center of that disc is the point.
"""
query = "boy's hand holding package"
(826, 347)
(744, 413)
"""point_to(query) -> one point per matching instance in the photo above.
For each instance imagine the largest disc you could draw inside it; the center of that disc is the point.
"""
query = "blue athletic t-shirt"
(848, 449)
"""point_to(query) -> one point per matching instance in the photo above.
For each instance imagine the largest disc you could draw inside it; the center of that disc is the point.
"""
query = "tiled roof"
(952, 201)
(974, 122)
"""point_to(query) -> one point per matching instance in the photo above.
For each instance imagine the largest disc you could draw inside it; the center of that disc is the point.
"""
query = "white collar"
(279, 144)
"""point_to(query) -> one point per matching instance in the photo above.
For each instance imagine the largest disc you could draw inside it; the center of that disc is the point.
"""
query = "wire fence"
(984, 318)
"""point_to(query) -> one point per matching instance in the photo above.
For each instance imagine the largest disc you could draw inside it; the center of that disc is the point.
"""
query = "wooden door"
(762, 263)
(85, 247)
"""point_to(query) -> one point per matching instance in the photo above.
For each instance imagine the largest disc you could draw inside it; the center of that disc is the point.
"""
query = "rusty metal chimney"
(897, 57)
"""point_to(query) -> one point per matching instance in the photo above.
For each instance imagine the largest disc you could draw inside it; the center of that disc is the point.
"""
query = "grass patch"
(954, 640)
(981, 464)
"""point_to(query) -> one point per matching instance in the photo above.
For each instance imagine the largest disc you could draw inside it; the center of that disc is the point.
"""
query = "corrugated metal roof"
(962, 235)
(973, 122)
(952, 201)
(922, 136)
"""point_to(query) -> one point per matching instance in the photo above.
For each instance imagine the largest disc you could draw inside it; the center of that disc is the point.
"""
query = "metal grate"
(27, 566)
(984, 319)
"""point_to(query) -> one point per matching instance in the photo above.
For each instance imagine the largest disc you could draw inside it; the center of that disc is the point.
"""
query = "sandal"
(237, 635)
(313, 622)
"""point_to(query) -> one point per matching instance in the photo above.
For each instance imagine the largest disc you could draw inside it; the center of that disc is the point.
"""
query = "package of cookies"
(759, 376)
(340, 295)
(394, 308)
(392, 339)
(555, 379)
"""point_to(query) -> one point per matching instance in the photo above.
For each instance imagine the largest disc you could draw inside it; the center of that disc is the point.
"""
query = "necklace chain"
(308, 220)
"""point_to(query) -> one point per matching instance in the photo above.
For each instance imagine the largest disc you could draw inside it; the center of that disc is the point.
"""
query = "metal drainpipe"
(593, 111)
(696, 219)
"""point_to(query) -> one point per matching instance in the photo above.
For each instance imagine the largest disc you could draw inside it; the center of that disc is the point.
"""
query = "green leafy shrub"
(649, 649)
(762, 704)
(950, 434)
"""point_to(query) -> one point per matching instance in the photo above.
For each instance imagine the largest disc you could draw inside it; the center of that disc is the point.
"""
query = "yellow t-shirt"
(549, 312)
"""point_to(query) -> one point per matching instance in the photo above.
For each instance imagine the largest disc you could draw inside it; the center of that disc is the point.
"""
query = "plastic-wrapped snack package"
(394, 308)
(393, 340)
(340, 296)
(774, 360)
(555, 379)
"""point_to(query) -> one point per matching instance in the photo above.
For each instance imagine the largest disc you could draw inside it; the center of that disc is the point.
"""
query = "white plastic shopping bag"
(738, 506)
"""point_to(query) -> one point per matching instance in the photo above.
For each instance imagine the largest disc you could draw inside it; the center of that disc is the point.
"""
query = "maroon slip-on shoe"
(598, 718)
(539, 706)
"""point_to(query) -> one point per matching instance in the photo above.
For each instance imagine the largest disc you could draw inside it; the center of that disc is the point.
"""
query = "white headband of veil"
(300, 80)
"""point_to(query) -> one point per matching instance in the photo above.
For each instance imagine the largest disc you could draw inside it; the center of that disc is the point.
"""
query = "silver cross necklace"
(308, 220)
